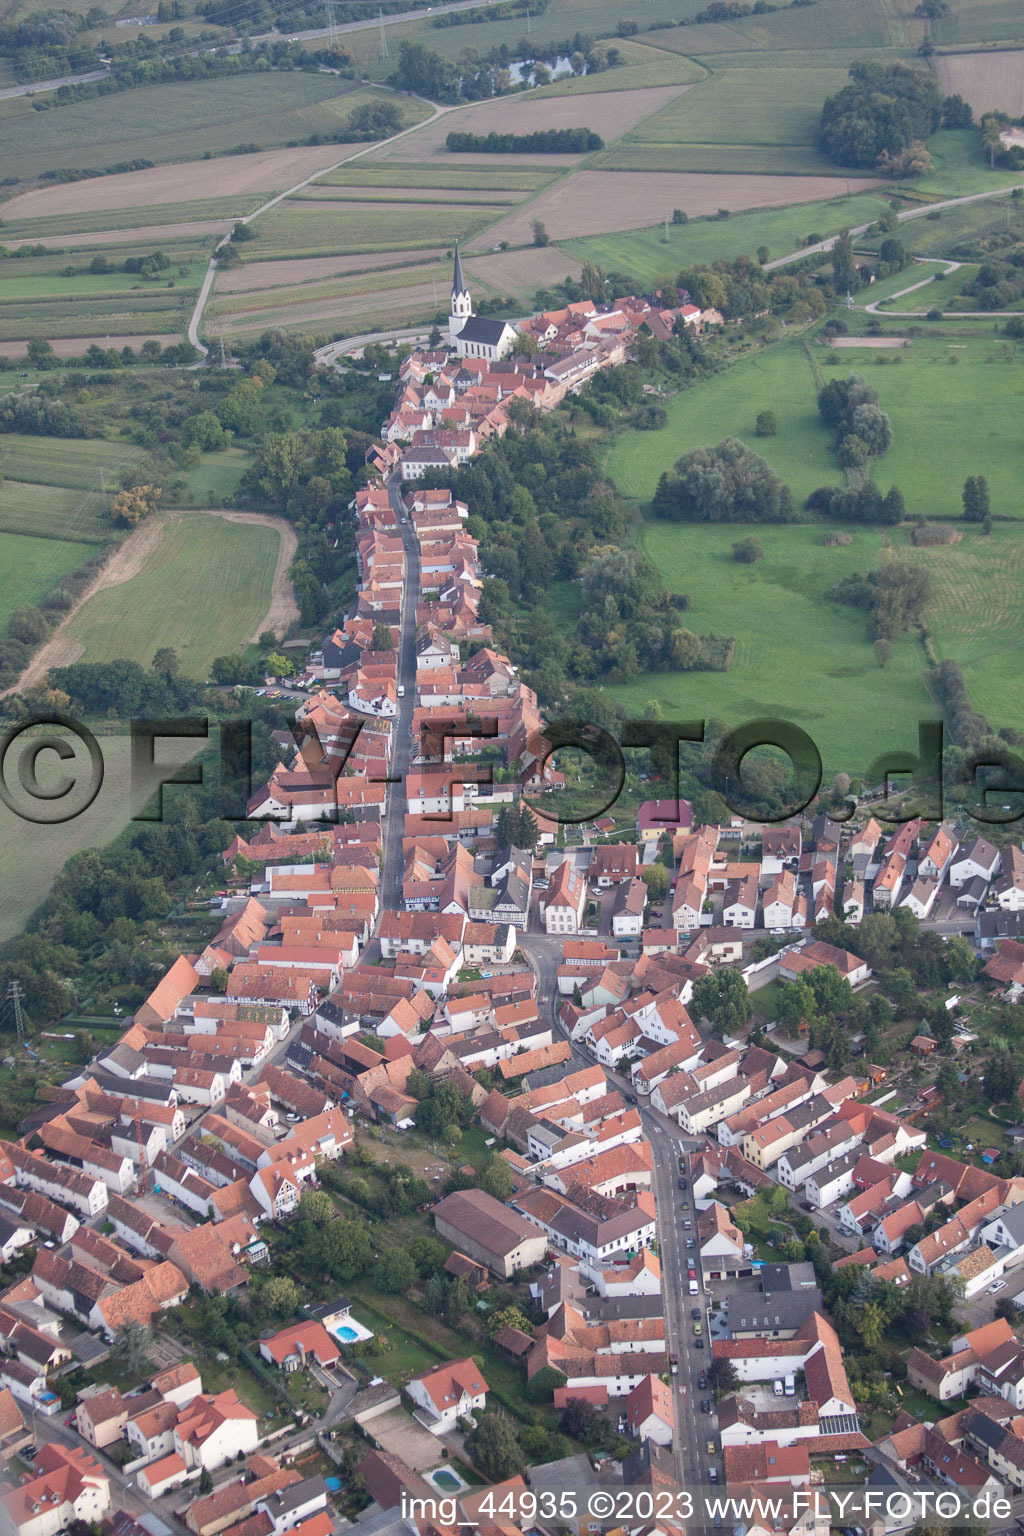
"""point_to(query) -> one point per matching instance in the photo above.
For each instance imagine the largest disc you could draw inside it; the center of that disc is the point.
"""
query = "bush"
(767, 424)
(747, 551)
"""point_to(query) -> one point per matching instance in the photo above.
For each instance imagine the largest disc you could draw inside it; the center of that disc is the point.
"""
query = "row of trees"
(881, 116)
(545, 141)
(893, 596)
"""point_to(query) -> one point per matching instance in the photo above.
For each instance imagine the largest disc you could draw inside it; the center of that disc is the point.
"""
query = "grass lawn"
(32, 567)
(765, 999)
(727, 404)
(798, 657)
(960, 168)
(975, 615)
(940, 289)
(648, 256)
(218, 574)
(32, 856)
(217, 478)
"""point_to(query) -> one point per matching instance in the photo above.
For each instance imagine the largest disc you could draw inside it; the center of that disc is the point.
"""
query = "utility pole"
(330, 18)
(103, 490)
(383, 37)
(15, 996)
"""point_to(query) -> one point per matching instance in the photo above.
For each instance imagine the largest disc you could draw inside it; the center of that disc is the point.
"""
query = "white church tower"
(462, 302)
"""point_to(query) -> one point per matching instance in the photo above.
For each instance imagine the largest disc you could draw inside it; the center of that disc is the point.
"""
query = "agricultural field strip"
(282, 295)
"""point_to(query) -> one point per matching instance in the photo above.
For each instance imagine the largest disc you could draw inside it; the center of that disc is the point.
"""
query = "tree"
(722, 998)
(747, 551)
(40, 352)
(129, 507)
(395, 1272)
(516, 827)
(844, 263)
(956, 113)
(205, 1481)
(767, 424)
(657, 880)
(280, 1295)
(131, 1344)
(723, 482)
(496, 1178)
(278, 665)
(540, 234)
(976, 499)
(509, 1317)
(577, 1418)
(722, 1375)
(494, 1448)
(383, 639)
(883, 652)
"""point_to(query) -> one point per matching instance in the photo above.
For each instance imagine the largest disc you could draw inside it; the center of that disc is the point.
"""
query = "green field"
(982, 21)
(52, 228)
(448, 178)
(74, 462)
(798, 657)
(216, 478)
(292, 229)
(748, 120)
(778, 378)
(32, 856)
(939, 293)
(830, 24)
(647, 255)
(976, 616)
(642, 66)
(166, 123)
(929, 390)
(32, 567)
(204, 591)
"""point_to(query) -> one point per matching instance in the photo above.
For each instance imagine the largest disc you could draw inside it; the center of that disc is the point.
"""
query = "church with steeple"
(471, 335)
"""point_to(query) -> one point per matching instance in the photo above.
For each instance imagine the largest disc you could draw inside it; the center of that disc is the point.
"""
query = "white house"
(977, 860)
(447, 1393)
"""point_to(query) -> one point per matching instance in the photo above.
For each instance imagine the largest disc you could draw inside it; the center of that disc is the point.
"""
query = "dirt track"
(130, 558)
(144, 234)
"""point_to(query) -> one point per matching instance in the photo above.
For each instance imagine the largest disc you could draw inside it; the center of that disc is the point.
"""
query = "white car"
(994, 1290)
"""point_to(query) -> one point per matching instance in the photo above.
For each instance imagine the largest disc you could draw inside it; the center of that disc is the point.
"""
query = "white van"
(778, 1389)
(401, 690)
(790, 1385)
(694, 1288)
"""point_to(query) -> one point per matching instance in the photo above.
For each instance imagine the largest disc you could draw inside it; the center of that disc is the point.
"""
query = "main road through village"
(544, 954)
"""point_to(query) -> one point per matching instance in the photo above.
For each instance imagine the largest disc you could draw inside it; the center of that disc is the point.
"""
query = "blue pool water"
(345, 1332)
(333, 1483)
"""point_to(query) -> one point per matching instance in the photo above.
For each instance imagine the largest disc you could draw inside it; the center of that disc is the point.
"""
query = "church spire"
(458, 281)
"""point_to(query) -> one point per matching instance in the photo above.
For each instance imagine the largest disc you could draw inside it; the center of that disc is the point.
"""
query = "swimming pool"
(345, 1332)
(351, 1331)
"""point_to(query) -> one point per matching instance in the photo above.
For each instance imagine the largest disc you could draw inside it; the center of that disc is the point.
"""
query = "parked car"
(994, 1290)
(689, 1242)
(711, 1447)
(695, 1313)
(698, 1343)
(705, 1405)
(698, 1329)
(702, 1383)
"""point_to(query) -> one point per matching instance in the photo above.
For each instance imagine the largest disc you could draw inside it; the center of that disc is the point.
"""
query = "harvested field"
(325, 192)
(610, 113)
(456, 178)
(366, 285)
(150, 233)
(257, 275)
(234, 175)
(77, 346)
(369, 313)
(596, 202)
(522, 272)
(869, 341)
(989, 81)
